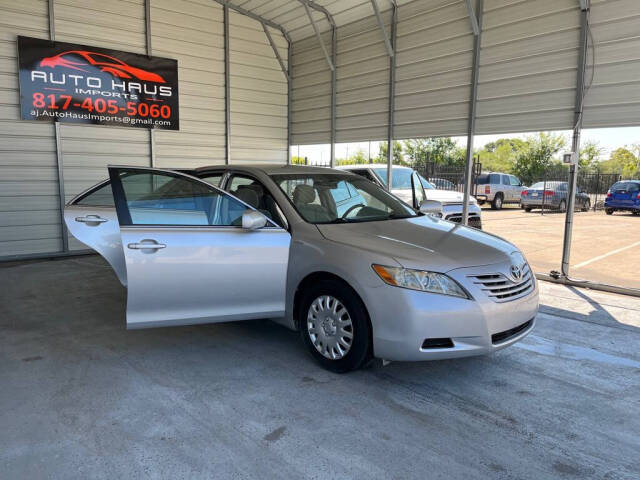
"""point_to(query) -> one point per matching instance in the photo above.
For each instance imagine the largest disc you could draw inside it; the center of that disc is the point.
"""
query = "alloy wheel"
(330, 327)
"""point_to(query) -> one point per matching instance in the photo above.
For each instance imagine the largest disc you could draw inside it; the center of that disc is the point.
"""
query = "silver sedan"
(358, 272)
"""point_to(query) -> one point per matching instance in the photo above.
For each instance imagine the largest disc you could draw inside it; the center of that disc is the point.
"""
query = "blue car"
(625, 196)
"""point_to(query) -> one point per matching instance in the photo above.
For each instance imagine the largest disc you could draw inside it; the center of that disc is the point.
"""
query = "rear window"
(483, 179)
(627, 186)
(100, 197)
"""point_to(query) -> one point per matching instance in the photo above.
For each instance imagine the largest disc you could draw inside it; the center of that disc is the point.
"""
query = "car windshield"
(340, 198)
(400, 178)
(425, 183)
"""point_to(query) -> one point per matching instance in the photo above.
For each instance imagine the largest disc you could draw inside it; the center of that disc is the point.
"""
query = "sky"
(609, 139)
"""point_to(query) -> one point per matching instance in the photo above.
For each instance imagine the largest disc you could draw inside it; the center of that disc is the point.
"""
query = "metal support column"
(147, 25)
(289, 99)
(392, 92)
(575, 141)
(334, 56)
(58, 139)
(468, 175)
(227, 89)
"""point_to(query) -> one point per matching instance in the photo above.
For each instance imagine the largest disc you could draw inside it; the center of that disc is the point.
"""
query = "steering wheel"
(351, 208)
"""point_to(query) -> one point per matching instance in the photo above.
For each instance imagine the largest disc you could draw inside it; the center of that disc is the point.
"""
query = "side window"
(100, 197)
(494, 179)
(505, 180)
(213, 179)
(253, 193)
(164, 199)
(514, 181)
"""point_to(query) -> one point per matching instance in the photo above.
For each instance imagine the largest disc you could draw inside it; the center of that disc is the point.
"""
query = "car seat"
(303, 198)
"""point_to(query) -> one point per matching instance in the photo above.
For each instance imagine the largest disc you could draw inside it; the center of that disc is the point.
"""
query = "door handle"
(146, 246)
(91, 219)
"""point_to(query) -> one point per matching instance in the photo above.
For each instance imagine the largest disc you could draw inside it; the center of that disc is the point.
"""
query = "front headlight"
(420, 280)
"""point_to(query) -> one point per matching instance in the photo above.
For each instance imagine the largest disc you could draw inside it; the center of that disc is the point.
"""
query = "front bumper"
(403, 319)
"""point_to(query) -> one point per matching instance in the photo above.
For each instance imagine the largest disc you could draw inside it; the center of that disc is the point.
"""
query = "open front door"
(188, 259)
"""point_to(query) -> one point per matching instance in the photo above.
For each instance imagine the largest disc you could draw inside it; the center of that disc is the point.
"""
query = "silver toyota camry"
(329, 253)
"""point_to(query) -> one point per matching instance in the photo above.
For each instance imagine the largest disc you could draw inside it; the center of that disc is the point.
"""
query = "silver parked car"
(406, 184)
(354, 269)
(498, 188)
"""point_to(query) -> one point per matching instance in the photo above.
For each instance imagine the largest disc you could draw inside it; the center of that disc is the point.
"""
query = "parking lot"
(83, 397)
(604, 248)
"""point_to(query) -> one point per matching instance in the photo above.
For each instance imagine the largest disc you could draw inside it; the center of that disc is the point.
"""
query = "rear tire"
(334, 326)
(563, 206)
(527, 209)
(586, 206)
(497, 202)
(608, 211)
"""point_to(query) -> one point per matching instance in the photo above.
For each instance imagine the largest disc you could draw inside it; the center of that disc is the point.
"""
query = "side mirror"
(252, 220)
(431, 207)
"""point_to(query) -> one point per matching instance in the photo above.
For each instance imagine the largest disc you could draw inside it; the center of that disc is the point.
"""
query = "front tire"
(527, 209)
(335, 326)
(608, 211)
(586, 206)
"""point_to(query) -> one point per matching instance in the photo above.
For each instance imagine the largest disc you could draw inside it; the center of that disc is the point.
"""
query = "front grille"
(512, 332)
(474, 220)
(502, 289)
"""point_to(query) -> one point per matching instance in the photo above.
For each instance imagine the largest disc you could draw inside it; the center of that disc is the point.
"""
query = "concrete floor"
(81, 397)
(605, 248)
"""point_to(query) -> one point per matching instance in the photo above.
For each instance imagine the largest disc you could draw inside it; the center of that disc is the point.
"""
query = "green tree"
(500, 156)
(357, 158)
(537, 156)
(440, 150)
(398, 158)
(589, 157)
(623, 160)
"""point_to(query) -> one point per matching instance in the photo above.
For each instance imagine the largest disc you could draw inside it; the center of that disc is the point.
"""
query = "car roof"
(369, 165)
(270, 168)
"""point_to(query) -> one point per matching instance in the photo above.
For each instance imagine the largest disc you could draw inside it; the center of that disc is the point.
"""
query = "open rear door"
(188, 258)
(91, 218)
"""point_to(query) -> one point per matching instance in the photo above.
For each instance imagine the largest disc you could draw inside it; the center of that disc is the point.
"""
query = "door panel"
(204, 274)
(188, 260)
(102, 235)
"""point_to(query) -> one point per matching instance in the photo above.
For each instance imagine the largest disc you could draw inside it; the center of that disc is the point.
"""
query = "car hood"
(423, 242)
(445, 196)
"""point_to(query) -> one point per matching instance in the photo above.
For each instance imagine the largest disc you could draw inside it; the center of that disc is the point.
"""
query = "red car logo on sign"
(80, 59)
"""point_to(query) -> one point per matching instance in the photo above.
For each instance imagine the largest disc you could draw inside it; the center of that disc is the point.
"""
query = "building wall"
(191, 31)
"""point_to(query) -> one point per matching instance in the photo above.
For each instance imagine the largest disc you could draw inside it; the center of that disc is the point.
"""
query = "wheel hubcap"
(329, 327)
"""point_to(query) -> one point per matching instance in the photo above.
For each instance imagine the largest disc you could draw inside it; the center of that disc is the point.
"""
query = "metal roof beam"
(385, 37)
(275, 51)
(318, 35)
(263, 21)
(473, 19)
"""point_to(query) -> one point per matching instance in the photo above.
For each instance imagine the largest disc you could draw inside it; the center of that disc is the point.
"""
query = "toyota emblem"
(516, 272)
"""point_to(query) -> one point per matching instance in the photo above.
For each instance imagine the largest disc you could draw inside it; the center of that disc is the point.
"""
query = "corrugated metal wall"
(190, 31)
(193, 33)
(311, 98)
(29, 202)
(258, 92)
(614, 97)
(88, 149)
(528, 65)
(433, 71)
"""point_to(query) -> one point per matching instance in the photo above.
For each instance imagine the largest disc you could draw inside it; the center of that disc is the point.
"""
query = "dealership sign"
(67, 82)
